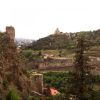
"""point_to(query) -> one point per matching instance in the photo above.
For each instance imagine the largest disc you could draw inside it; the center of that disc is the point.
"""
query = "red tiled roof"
(54, 91)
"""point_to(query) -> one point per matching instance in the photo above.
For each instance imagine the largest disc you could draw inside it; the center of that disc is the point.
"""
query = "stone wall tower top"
(11, 32)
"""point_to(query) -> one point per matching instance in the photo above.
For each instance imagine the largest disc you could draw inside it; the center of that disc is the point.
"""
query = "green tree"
(81, 79)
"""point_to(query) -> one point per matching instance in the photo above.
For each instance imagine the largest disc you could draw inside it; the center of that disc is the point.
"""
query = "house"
(54, 91)
(51, 91)
(45, 56)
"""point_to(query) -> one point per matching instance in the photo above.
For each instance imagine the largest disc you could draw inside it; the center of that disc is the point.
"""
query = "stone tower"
(38, 83)
(11, 32)
(57, 32)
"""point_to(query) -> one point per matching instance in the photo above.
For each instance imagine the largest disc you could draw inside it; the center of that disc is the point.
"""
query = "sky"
(34, 19)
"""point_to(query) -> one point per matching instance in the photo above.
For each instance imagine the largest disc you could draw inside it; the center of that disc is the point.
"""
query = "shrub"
(13, 95)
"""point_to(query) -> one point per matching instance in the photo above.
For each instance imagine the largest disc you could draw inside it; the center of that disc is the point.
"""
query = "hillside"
(51, 42)
(60, 40)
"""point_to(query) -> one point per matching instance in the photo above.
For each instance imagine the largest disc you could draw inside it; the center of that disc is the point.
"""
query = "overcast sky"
(38, 18)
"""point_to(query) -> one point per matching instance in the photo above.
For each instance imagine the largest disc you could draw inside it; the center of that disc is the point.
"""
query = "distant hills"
(60, 40)
(21, 41)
